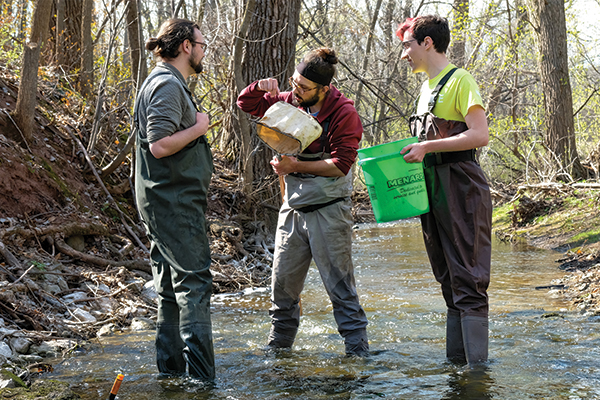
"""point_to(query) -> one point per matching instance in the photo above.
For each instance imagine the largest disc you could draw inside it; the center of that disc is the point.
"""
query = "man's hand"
(202, 121)
(269, 85)
(283, 165)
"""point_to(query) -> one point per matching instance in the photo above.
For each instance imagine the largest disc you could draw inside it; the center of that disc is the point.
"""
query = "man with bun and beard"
(315, 220)
(173, 170)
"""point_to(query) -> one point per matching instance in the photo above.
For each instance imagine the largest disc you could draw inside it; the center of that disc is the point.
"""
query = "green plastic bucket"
(396, 188)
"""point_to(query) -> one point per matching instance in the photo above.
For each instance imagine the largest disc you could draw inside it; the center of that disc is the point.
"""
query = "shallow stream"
(538, 350)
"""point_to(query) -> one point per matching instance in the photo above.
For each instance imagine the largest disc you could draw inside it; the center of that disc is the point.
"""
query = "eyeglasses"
(299, 88)
(202, 45)
(406, 44)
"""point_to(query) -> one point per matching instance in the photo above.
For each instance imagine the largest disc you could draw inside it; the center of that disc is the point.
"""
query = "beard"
(197, 67)
(311, 101)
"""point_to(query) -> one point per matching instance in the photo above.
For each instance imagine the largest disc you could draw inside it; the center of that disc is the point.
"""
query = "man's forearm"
(172, 144)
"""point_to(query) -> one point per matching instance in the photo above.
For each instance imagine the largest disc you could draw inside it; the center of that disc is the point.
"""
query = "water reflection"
(470, 384)
(537, 348)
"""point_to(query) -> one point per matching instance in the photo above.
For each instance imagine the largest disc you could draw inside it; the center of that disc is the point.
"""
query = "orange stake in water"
(115, 388)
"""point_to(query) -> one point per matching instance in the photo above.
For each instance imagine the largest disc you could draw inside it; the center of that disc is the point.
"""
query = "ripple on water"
(538, 349)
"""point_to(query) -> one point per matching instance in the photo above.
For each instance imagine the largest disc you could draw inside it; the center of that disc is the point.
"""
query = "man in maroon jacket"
(315, 220)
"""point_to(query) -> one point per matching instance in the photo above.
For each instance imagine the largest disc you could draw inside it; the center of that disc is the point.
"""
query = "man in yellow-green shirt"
(457, 229)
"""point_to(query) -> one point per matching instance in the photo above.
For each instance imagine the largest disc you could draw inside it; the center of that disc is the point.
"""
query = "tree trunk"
(26, 99)
(389, 71)
(236, 140)
(22, 20)
(548, 20)
(60, 33)
(365, 64)
(322, 18)
(275, 57)
(139, 70)
(147, 17)
(86, 74)
(258, 58)
(162, 14)
(201, 10)
(459, 33)
(68, 52)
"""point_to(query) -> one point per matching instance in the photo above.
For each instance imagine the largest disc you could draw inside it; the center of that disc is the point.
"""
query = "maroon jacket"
(345, 128)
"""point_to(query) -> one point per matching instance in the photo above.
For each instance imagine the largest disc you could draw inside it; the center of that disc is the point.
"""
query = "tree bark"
(86, 75)
(268, 52)
(60, 32)
(549, 23)
(389, 71)
(22, 20)
(459, 32)
(26, 99)
(365, 63)
(66, 24)
(237, 122)
(139, 70)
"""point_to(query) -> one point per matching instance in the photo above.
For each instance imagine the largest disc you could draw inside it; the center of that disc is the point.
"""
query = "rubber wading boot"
(198, 350)
(280, 339)
(475, 338)
(455, 349)
(360, 349)
(357, 343)
(169, 350)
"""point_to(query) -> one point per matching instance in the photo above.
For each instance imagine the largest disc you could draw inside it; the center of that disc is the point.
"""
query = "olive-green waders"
(171, 198)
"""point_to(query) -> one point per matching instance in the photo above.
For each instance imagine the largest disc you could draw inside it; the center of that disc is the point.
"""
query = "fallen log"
(70, 229)
(99, 261)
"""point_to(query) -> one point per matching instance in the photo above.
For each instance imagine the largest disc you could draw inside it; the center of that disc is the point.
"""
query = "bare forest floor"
(72, 257)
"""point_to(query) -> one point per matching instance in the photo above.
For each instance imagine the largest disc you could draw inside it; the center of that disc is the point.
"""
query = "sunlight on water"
(538, 349)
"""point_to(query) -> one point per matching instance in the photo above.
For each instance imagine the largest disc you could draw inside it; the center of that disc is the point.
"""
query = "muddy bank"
(561, 217)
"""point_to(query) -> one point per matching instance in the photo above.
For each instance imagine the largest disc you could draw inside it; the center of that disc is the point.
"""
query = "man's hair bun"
(327, 54)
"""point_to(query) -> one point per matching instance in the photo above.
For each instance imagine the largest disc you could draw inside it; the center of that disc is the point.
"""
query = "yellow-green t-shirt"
(456, 97)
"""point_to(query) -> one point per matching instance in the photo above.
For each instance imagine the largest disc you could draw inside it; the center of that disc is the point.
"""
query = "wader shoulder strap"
(438, 88)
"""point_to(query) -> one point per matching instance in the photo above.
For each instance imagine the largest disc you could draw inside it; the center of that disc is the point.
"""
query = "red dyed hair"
(407, 25)
(433, 26)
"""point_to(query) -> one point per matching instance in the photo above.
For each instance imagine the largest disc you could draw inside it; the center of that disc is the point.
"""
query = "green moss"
(572, 221)
(501, 218)
(41, 390)
(8, 374)
(587, 237)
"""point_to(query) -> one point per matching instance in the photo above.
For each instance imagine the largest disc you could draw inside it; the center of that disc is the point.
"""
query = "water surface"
(538, 349)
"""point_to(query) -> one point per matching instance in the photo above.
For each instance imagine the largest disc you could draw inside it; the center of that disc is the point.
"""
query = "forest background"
(70, 71)
(535, 62)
